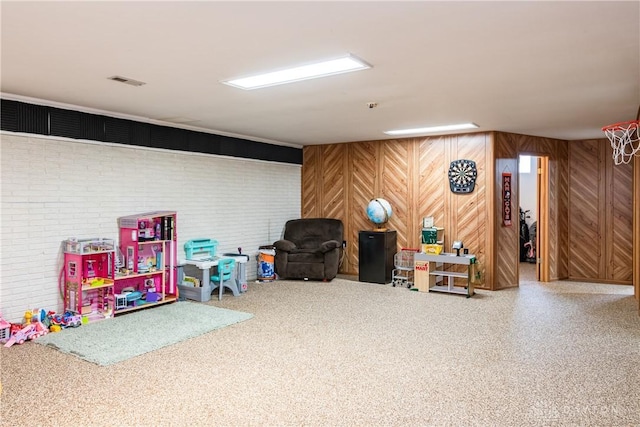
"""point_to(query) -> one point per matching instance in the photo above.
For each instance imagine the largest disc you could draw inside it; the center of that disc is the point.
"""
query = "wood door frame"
(542, 206)
(542, 214)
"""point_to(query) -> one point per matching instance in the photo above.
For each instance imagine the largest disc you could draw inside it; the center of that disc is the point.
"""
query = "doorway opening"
(529, 210)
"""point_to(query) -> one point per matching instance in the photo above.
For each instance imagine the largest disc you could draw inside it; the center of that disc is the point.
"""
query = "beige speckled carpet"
(346, 353)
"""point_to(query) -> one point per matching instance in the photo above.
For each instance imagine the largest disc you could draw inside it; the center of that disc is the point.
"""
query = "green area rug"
(113, 340)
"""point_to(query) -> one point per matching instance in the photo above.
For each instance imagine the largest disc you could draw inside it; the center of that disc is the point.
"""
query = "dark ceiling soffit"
(17, 116)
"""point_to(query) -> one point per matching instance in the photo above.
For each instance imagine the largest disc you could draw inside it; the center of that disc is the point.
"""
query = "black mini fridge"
(376, 250)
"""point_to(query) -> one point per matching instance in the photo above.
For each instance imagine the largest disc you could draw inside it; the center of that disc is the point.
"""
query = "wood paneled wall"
(590, 211)
(339, 180)
(507, 240)
(600, 214)
(508, 147)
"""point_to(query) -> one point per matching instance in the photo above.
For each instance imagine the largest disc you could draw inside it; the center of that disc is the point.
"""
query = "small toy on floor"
(37, 322)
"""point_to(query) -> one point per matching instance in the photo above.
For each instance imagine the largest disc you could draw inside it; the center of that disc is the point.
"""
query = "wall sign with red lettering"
(506, 199)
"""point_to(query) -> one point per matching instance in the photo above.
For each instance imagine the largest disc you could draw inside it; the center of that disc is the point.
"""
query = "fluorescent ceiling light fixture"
(432, 129)
(340, 65)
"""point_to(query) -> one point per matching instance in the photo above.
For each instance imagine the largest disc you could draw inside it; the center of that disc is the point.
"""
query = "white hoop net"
(625, 140)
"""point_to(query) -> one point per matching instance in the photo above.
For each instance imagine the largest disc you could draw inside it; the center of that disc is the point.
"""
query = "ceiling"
(551, 69)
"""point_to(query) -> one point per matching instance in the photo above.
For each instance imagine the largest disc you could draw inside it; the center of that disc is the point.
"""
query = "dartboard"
(462, 176)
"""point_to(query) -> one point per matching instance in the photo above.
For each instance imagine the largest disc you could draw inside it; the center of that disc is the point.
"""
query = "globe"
(379, 211)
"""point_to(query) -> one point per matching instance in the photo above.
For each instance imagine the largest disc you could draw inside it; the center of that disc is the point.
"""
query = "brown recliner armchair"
(311, 248)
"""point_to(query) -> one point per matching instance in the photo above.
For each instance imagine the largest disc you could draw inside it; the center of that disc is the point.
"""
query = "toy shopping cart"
(402, 274)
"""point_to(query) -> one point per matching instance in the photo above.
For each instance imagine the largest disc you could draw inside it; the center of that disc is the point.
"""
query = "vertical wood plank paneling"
(584, 208)
(552, 223)
(600, 214)
(604, 214)
(528, 145)
(450, 224)
(396, 186)
(334, 185)
(333, 182)
(412, 174)
(561, 217)
(543, 146)
(507, 243)
(508, 145)
(431, 168)
(620, 257)
(346, 266)
(324, 184)
(363, 158)
(490, 212)
(468, 217)
(310, 205)
(543, 248)
(415, 237)
(412, 192)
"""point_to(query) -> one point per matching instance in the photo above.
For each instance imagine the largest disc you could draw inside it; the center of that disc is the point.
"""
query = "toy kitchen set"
(435, 271)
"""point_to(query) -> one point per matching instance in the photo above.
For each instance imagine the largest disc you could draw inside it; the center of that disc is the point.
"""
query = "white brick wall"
(55, 188)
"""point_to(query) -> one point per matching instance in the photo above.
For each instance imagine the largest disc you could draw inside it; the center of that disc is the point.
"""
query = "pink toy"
(68, 319)
(41, 330)
(31, 331)
(5, 330)
(22, 335)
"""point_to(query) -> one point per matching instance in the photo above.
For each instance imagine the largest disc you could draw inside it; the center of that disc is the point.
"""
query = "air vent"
(127, 81)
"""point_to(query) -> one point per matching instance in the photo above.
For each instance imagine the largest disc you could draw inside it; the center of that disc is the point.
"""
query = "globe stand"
(380, 227)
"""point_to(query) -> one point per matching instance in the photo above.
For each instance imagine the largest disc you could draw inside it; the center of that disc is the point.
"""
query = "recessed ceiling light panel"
(432, 129)
(331, 67)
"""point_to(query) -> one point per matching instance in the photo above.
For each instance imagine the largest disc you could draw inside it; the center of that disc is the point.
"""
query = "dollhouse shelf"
(133, 275)
(106, 284)
(148, 246)
(88, 261)
(94, 288)
(167, 299)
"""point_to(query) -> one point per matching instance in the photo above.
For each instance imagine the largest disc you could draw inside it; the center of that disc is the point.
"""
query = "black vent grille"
(117, 130)
(92, 127)
(65, 123)
(43, 120)
(9, 116)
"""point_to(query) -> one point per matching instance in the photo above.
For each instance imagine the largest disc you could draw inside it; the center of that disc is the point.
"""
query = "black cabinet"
(376, 250)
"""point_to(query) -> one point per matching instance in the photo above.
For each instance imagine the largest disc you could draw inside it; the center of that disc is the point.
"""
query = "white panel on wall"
(529, 189)
(54, 188)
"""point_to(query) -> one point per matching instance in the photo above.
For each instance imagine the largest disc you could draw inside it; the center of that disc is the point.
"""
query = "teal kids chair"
(225, 277)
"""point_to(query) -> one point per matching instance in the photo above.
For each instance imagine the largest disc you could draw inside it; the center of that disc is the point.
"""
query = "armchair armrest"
(329, 245)
(284, 245)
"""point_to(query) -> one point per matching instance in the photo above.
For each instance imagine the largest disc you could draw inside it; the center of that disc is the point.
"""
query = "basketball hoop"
(625, 139)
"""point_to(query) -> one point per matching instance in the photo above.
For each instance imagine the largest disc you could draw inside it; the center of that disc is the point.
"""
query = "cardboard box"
(421, 275)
